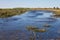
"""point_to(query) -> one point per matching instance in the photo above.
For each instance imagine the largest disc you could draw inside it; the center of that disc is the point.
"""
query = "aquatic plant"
(31, 29)
(34, 30)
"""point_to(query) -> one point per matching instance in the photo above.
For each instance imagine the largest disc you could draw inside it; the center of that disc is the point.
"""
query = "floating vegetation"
(35, 29)
(40, 30)
(31, 28)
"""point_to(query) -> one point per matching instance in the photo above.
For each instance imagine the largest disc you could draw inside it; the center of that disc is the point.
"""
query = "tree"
(53, 7)
(57, 7)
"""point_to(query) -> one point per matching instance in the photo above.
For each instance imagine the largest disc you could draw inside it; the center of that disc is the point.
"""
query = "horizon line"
(26, 7)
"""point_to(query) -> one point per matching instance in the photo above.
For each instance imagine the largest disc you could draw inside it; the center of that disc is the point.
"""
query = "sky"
(29, 3)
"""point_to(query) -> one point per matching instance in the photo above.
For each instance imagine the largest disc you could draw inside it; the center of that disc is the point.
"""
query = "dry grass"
(17, 11)
(55, 11)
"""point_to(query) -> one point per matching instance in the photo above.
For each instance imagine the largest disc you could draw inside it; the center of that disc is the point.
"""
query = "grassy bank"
(16, 11)
(12, 12)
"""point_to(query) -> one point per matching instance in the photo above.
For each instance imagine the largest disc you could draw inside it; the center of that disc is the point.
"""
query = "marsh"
(32, 18)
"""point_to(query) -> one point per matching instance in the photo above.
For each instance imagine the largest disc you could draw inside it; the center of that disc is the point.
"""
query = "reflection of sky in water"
(32, 19)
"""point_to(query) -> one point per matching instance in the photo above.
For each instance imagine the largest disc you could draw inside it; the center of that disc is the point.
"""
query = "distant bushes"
(56, 8)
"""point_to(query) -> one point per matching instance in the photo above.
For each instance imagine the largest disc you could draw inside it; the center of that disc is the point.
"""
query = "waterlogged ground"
(14, 28)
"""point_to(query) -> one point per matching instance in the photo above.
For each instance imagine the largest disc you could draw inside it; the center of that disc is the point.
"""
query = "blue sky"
(29, 3)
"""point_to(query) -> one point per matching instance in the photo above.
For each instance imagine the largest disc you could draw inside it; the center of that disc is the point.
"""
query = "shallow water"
(32, 18)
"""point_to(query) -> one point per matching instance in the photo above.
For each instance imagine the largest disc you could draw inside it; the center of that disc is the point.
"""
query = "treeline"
(56, 8)
(12, 12)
